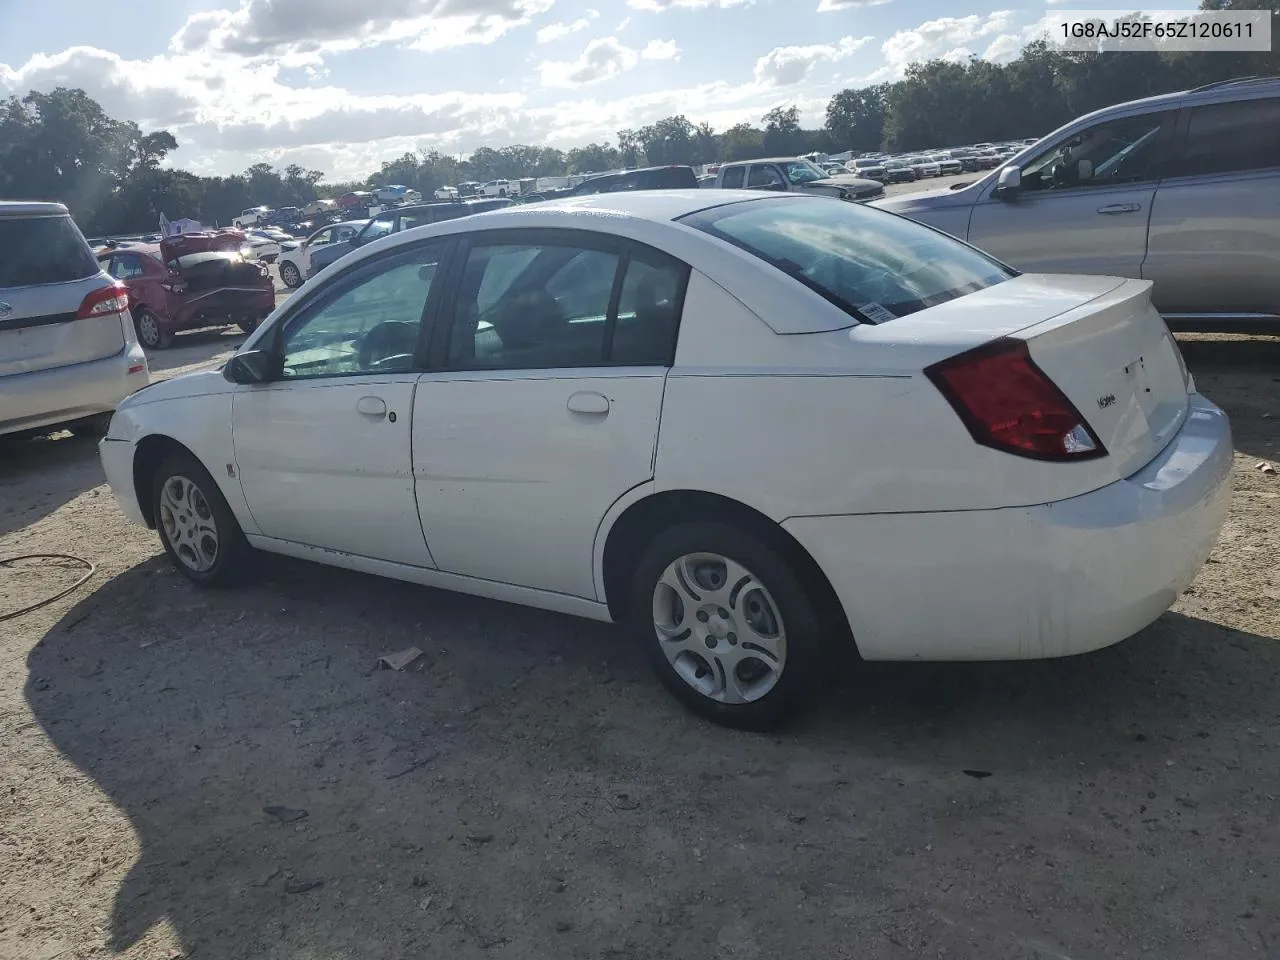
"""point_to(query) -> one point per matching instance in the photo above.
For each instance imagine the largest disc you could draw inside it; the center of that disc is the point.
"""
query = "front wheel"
(727, 625)
(197, 528)
(290, 274)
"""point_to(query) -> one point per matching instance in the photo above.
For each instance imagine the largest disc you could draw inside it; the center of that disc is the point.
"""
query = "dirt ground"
(226, 775)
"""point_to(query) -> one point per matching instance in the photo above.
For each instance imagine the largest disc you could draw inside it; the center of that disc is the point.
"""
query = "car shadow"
(522, 782)
(40, 474)
(1241, 374)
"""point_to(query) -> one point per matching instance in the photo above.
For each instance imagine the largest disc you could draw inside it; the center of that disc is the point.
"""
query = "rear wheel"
(151, 334)
(249, 325)
(727, 625)
(197, 528)
(290, 275)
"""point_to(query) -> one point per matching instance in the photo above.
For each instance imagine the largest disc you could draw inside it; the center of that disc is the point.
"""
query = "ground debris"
(400, 659)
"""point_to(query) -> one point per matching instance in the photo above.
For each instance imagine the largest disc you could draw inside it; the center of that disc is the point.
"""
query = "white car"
(753, 427)
(261, 246)
(499, 188)
(249, 217)
(446, 193)
(68, 349)
(295, 265)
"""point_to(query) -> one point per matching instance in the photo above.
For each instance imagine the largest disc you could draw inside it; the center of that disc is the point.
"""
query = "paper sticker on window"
(876, 313)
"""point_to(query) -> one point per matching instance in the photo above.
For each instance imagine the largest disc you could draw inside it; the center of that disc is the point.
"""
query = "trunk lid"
(171, 248)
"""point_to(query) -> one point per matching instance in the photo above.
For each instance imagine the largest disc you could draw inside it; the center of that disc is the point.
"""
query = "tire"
(151, 333)
(248, 326)
(290, 275)
(182, 488)
(93, 428)
(752, 682)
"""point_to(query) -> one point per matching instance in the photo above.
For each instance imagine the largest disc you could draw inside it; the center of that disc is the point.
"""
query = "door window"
(766, 177)
(532, 306)
(1230, 137)
(1122, 151)
(126, 266)
(370, 326)
(733, 178)
(648, 311)
(322, 239)
(377, 228)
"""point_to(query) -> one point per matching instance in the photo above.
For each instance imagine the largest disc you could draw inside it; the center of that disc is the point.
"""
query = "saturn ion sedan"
(752, 428)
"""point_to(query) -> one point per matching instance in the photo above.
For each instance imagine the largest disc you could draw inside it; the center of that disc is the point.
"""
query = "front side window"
(322, 238)
(732, 179)
(371, 326)
(765, 176)
(1230, 137)
(532, 306)
(875, 266)
(377, 228)
(1121, 151)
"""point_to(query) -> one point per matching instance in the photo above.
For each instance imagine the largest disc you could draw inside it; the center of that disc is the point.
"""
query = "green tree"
(741, 142)
(855, 118)
(782, 134)
(593, 158)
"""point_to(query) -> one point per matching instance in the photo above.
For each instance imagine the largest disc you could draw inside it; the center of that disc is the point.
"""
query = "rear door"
(545, 406)
(1068, 218)
(46, 271)
(1215, 226)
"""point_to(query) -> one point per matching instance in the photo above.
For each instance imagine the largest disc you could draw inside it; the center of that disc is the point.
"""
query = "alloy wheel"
(149, 329)
(189, 524)
(719, 628)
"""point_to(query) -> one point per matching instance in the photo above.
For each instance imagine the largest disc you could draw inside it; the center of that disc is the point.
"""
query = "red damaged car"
(188, 281)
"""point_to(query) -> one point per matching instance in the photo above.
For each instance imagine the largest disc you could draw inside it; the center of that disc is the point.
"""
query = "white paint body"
(506, 484)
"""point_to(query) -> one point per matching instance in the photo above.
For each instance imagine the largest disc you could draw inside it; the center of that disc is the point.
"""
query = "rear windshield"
(43, 250)
(872, 264)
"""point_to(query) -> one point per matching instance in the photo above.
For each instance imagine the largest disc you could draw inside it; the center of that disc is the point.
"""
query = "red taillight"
(100, 303)
(1008, 404)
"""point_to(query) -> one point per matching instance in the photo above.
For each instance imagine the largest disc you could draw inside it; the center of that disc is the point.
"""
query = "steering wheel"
(387, 341)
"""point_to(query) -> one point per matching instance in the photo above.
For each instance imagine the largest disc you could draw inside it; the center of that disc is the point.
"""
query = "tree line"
(63, 146)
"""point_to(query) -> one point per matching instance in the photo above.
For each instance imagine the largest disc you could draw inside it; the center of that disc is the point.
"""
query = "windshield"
(873, 265)
(43, 250)
(802, 171)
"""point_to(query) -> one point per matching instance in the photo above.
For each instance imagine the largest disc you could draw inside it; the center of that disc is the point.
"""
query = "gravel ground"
(226, 775)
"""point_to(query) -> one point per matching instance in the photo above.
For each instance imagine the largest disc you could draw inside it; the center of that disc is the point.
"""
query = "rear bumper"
(223, 306)
(48, 398)
(1031, 582)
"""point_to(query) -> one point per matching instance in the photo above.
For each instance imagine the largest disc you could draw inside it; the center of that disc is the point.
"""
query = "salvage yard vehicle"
(1181, 189)
(295, 265)
(68, 352)
(251, 216)
(189, 281)
(516, 406)
(669, 177)
(796, 176)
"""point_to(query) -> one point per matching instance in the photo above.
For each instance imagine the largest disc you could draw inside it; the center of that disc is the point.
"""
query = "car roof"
(769, 160)
(31, 208)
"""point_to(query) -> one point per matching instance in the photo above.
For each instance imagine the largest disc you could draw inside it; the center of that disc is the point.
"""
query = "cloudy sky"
(340, 85)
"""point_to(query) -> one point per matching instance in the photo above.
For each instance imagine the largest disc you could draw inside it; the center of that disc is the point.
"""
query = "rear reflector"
(1008, 404)
(100, 303)
(137, 367)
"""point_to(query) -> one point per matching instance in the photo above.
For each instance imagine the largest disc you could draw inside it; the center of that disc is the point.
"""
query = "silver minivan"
(68, 350)
(1181, 189)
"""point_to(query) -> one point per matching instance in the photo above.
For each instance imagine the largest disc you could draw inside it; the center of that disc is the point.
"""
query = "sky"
(341, 85)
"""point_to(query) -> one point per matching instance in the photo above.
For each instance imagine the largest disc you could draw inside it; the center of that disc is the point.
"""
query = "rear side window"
(733, 178)
(1227, 137)
(43, 250)
(875, 266)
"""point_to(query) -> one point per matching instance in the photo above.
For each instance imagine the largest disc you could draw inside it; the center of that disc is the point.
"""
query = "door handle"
(585, 401)
(372, 407)
(1114, 208)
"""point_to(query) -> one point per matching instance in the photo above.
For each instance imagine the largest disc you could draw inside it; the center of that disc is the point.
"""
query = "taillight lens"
(1008, 404)
(108, 300)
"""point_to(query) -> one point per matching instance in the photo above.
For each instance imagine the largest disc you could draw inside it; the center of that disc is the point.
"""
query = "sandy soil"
(226, 775)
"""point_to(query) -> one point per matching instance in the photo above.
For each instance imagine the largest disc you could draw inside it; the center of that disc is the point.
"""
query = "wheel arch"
(148, 455)
(644, 513)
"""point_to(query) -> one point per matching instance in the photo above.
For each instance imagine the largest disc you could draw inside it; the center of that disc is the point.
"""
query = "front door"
(323, 450)
(1084, 204)
(547, 410)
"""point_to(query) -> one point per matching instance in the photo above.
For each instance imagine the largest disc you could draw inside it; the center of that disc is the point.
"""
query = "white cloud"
(554, 31)
(947, 38)
(602, 58)
(276, 27)
(832, 6)
(657, 6)
(626, 22)
(783, 66)
(661, 50)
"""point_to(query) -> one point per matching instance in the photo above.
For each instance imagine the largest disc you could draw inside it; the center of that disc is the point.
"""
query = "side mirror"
(1010, 182)
(1084, 170)
(252, 366)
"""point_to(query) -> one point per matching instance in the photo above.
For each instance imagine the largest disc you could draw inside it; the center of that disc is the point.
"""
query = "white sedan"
(751, 427)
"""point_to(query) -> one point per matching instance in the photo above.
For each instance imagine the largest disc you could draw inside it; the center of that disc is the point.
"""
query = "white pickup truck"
(250, 217)
(796, 175)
